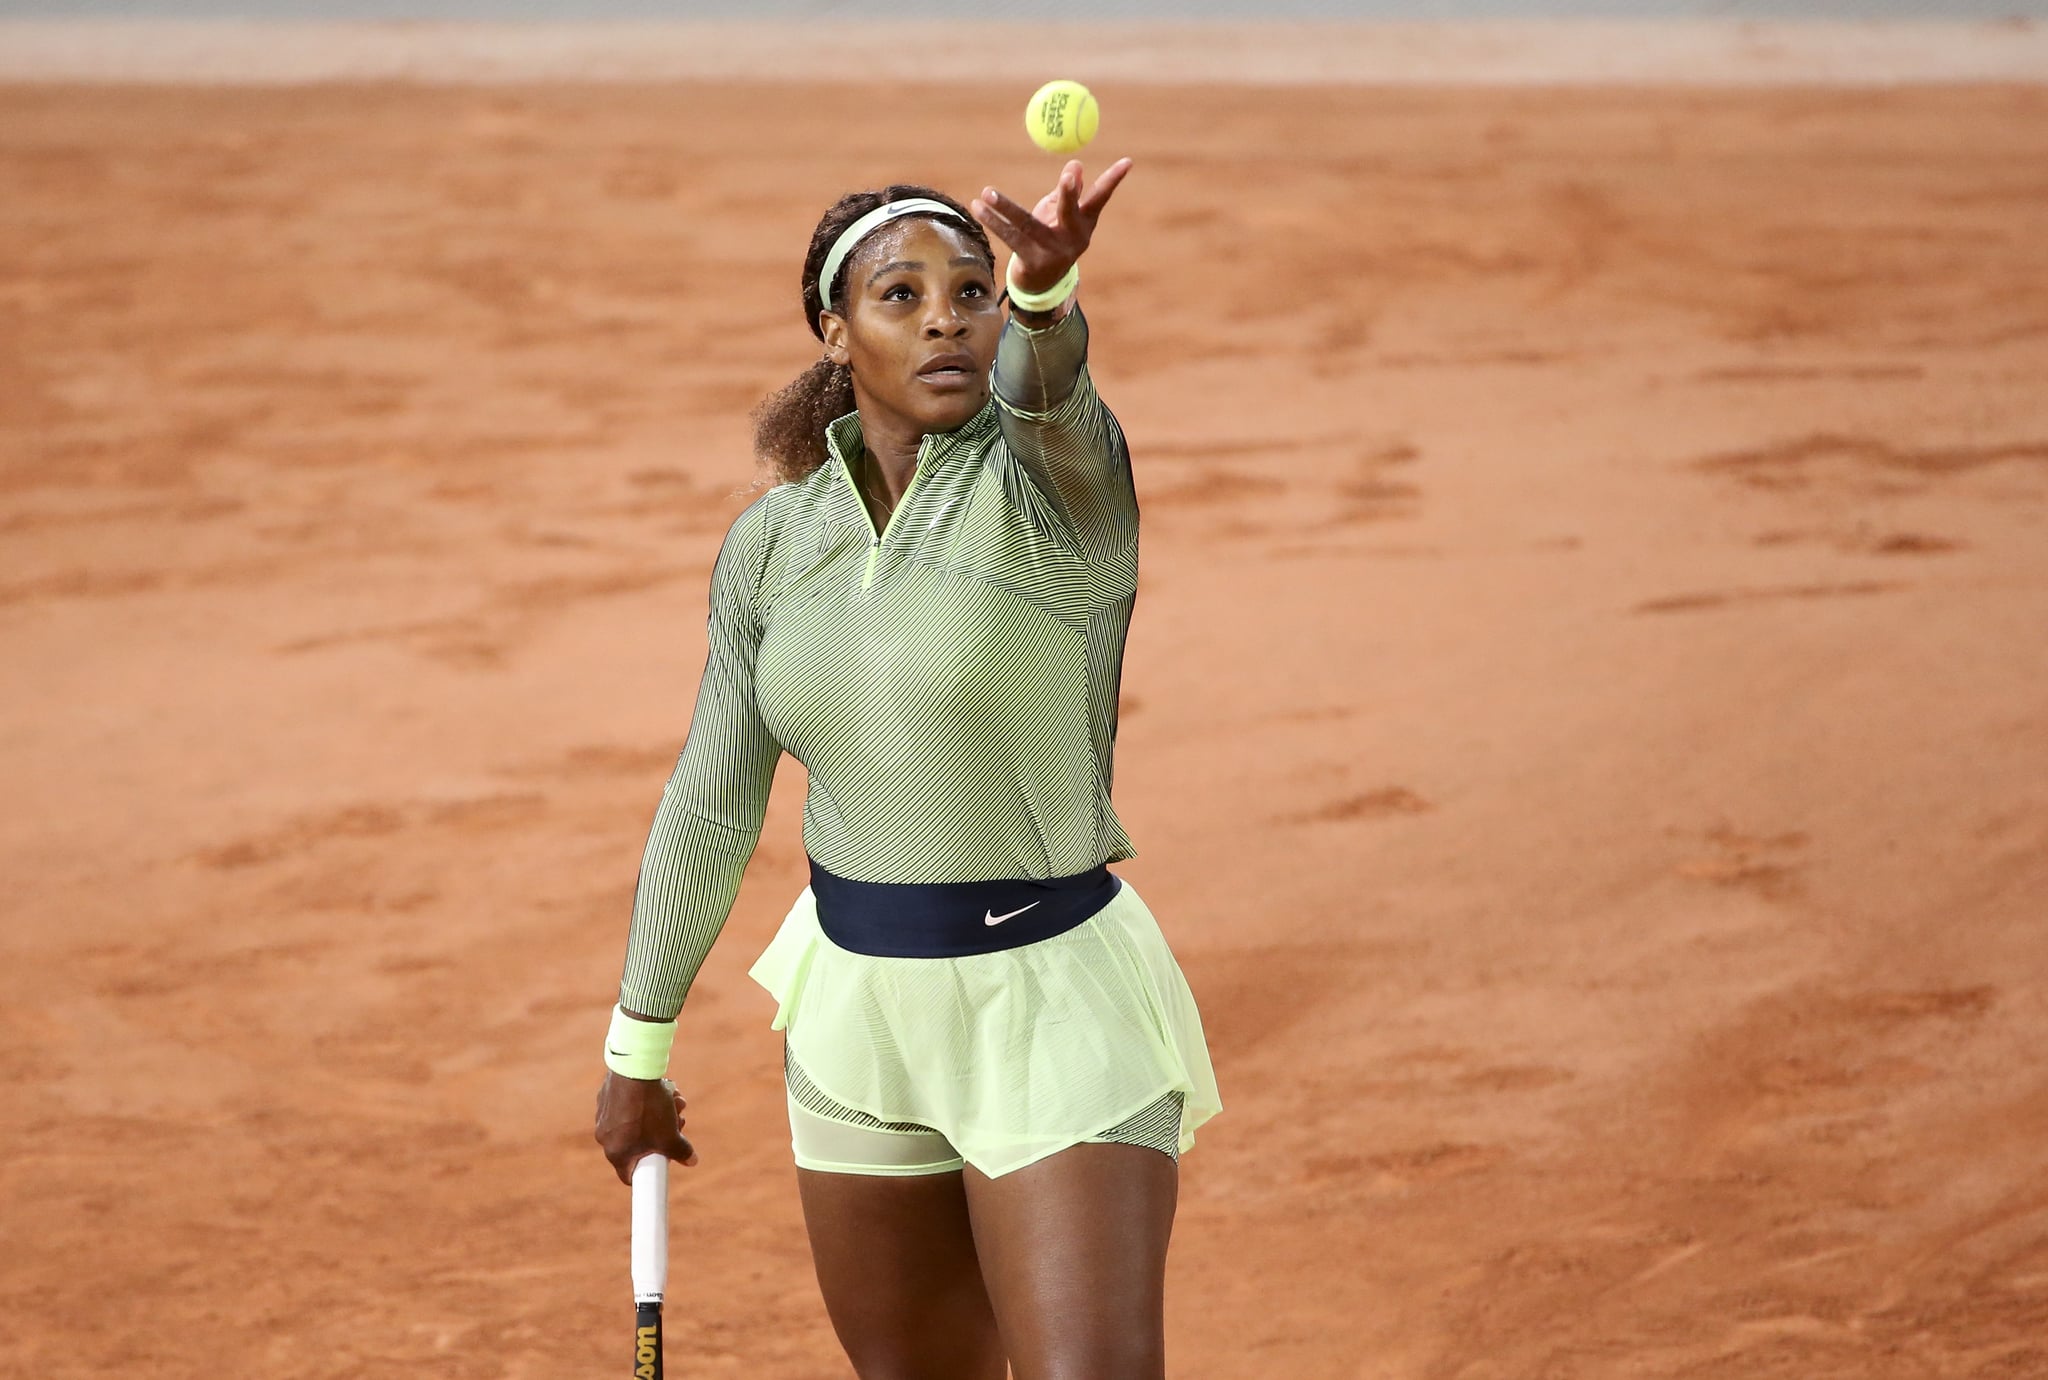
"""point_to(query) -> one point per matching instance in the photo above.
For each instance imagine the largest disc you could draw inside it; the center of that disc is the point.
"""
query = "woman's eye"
(889, 294)
(977, 289)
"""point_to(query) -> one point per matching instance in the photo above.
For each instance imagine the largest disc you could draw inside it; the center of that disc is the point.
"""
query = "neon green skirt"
(1011, 1055)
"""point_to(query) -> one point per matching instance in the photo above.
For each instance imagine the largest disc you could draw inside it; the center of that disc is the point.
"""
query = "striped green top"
(950, 684)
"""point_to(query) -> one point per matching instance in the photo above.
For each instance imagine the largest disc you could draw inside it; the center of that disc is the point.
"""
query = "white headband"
(850, 238)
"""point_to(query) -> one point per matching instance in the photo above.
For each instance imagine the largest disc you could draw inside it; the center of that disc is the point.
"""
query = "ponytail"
(789, 424)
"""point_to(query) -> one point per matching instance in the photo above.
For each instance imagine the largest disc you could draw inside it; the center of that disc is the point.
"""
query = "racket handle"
(647, 1363)
(650, 1228)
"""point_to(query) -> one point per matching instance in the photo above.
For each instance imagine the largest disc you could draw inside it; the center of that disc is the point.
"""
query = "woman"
(992, 1060)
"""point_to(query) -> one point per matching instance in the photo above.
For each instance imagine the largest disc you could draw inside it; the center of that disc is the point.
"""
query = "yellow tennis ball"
(1061, 116)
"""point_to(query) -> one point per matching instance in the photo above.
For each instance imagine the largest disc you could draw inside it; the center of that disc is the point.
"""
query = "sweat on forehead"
(910, 245)
(886, 224)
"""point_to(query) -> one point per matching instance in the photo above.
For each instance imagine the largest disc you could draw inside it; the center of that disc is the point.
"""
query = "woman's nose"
(944, 318)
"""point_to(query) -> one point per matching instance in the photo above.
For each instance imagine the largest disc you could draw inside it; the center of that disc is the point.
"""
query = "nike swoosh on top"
(989, 918)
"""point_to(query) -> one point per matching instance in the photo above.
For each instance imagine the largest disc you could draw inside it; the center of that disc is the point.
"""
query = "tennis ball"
(1061, 116)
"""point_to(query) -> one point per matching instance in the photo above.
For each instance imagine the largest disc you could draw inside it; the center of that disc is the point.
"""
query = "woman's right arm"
(1054, 425)
(709, 819)
(704, 831)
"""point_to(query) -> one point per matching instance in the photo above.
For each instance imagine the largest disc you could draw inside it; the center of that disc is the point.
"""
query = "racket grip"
(650, 1228)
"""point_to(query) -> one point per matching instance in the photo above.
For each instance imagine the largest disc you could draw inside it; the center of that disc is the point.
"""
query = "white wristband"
(635, 1048)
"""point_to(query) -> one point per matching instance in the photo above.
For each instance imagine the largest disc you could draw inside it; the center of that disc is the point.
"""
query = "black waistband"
(951, 919)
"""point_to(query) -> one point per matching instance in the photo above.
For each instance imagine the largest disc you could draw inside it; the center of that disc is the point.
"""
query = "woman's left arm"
(1052, 421)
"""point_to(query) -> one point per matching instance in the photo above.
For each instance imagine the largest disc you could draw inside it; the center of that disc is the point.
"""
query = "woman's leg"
(1073, 1252)
(896, 1263)
(891, 1242)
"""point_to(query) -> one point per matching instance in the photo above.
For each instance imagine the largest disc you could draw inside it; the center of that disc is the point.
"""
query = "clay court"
(1583, 729)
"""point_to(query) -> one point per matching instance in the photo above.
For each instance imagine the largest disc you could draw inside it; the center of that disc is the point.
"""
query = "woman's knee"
(927, 1357)
(1131, 1354)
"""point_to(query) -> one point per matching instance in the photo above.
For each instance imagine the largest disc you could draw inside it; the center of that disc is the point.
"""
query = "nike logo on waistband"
(990, 918)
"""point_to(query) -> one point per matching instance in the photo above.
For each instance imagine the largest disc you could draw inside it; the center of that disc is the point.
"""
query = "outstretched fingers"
(1011, 223)
(1048, 238)
(1066, 196)
(1096, 197)
(1066, 209)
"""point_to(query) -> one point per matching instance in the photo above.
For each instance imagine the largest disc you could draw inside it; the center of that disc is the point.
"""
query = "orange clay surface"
(1586, 724)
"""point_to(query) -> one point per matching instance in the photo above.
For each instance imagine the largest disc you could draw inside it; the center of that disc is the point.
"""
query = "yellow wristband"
(637, 1049)
(1041, 301)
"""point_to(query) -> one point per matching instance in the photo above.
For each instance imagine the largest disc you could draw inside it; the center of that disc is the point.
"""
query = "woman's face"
(918, 326)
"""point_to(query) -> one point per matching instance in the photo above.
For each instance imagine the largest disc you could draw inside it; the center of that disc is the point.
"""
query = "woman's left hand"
(1050, 237)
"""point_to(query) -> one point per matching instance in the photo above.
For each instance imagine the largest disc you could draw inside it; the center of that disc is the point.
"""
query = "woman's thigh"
(1073, 1256)
(896, 1263)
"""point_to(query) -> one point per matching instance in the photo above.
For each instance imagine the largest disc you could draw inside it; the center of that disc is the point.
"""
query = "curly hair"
(789, 424)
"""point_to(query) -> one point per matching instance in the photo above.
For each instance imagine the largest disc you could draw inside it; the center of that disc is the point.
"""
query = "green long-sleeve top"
(950, 683)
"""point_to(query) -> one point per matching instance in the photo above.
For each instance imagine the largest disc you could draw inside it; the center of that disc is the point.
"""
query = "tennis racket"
(650, 1262)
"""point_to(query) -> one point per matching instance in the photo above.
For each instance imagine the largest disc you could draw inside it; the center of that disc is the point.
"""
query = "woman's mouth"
(949, 371)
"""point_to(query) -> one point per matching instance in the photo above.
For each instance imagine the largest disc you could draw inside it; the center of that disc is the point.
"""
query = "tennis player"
(993, 1062)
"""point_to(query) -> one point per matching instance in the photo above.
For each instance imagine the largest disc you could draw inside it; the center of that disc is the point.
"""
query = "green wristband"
(637, 1049)
(1041, 301)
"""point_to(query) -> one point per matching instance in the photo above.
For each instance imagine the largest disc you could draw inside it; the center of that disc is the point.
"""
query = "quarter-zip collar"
(843, 438)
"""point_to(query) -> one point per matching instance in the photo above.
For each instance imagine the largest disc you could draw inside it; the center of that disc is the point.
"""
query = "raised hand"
(1050, 237)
